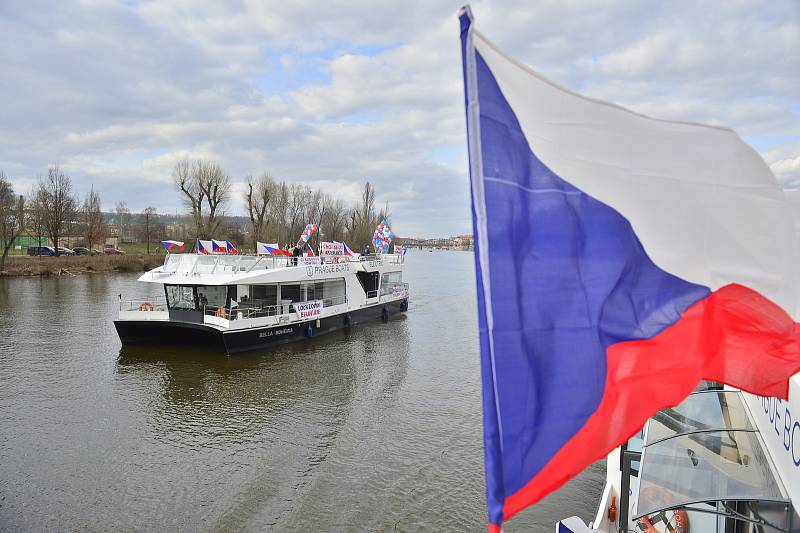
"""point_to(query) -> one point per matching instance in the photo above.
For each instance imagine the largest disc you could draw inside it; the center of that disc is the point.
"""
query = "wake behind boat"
(247, 302)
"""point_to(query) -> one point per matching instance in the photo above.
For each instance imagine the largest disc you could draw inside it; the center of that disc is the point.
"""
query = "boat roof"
(197, 269)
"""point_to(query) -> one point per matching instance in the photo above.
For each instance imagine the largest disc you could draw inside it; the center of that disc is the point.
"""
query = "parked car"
(65, 251)
(113, 251)
(41, 250)
(81, 250)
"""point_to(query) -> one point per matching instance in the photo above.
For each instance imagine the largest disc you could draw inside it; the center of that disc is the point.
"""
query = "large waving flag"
(652, 254)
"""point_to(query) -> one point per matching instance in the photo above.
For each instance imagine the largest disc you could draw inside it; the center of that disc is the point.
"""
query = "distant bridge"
(446, 242)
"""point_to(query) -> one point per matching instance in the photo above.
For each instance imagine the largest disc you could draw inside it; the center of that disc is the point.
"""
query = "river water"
(378, 429)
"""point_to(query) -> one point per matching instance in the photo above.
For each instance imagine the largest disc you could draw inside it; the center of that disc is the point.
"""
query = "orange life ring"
(146, 306)
(221, 313)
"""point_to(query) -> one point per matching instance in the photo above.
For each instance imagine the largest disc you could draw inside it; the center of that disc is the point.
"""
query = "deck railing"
(210, 264)
(245, 312)
(158, 303)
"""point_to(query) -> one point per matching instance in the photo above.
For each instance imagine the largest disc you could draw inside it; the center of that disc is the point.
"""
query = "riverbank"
(77, 264)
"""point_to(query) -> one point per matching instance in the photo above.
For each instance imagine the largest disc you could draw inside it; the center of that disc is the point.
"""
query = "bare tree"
(57, 203)
(363, 219)
(35, 215)
(206, 188)
(259, 193)
(12, 216)
(94, 222)
(123, 220)
(147, 220)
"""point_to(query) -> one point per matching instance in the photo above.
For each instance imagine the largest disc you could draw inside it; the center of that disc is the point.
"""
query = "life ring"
(145, 306)
(221, 313)
(679, 523)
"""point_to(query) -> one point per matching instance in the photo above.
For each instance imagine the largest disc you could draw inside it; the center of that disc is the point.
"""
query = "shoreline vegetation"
(70, 265)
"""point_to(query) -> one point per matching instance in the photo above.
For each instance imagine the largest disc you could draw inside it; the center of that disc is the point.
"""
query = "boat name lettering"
(270, 333)
(785, 424)
(326, 269)
(375, 263)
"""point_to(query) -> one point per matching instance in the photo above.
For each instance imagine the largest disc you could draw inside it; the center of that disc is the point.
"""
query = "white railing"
(210, 264)
(241, 312)
(144, 304)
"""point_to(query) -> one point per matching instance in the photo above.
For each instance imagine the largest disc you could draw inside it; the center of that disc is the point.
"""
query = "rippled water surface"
(375, 429)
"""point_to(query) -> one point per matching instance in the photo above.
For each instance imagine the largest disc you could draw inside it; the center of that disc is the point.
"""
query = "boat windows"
(705, 456)
(263, 295)
(390, 280)
(180, 296)
(212, 295)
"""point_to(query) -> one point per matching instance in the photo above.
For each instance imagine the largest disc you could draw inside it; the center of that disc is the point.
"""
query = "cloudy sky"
(333, 95)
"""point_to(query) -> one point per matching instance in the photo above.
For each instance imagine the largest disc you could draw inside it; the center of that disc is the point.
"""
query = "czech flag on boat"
(204, 247)
(347, 250)
(231, 248)
(271, 249)
(171, 245)
(655, 254)
(310, 250)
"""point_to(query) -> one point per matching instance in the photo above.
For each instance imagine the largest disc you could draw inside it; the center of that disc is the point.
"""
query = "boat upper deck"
(217, 264)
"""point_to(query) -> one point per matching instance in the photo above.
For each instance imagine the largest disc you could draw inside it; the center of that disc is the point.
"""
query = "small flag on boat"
(655, 254)
(271, 249)
(310, 250)
(204, 247)
(219, 247)
(347, 250)
(231, 248)
(172, 245)
(382, 237)
(308, 232)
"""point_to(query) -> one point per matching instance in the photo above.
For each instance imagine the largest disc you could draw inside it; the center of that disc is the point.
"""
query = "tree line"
(277, 211)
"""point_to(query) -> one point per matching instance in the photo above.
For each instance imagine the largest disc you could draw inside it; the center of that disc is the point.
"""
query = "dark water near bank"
(375, 430)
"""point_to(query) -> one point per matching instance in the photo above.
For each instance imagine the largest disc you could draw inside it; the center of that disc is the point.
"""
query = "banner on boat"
(644, 254)
(303, 260)
(306, 310)
(331, 248)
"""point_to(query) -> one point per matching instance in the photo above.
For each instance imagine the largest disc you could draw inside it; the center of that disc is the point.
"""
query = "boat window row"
(199, 297)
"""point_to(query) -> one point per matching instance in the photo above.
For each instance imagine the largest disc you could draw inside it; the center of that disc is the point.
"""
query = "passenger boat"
(722, 461)
(247, 302)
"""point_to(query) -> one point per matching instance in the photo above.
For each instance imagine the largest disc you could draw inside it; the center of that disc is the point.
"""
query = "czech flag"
(310, 250)
(204, 247)
(271, 249)
(347, 250)
(231, 248)
(654, 254)
(172, 245)
(219, 247)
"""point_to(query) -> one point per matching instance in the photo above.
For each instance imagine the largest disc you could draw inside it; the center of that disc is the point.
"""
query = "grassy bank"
(54, 266)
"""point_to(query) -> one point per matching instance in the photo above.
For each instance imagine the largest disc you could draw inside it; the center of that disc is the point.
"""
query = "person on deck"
(367, 250)
(296, 252)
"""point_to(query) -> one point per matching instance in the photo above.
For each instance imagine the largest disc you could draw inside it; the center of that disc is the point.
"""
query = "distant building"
(463, 241)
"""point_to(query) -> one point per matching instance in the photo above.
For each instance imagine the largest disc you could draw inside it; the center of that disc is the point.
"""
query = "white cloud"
(332, 94)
